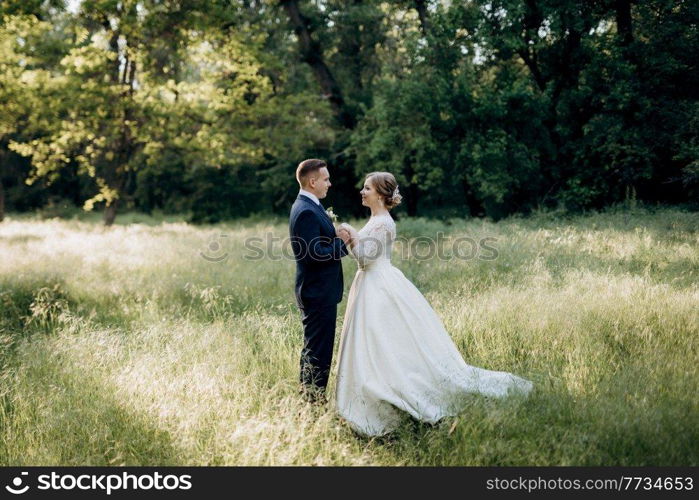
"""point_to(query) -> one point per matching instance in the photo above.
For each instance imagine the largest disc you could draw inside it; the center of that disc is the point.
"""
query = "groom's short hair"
(306, 168)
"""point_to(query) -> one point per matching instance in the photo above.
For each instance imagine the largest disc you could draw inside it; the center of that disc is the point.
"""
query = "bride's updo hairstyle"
(387, 187)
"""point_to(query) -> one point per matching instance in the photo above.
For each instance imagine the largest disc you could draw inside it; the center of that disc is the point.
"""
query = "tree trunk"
(623, 21)
(421, 7)
(352, 46)
(475, 208)
(2, 201)
(312, 54)
(413, 195)
(413, 191)
(2, 188)
(531, 23)
(110, 212)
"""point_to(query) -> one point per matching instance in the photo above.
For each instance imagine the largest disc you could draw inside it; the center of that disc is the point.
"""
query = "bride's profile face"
(370, 197)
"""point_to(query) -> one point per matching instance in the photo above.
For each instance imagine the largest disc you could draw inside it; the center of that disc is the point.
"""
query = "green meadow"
(158, 342)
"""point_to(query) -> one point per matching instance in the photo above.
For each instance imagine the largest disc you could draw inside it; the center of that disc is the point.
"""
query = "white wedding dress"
(394, 351)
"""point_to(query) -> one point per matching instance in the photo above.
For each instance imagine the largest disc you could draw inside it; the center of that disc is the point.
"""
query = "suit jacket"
(317, 251)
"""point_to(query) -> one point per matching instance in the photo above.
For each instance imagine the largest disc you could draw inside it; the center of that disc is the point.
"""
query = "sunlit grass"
(127, 346)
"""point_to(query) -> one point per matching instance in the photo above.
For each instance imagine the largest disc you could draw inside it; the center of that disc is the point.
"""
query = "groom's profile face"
(319, 182)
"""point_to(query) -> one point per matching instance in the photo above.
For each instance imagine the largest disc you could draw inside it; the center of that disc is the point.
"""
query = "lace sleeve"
(372, 244)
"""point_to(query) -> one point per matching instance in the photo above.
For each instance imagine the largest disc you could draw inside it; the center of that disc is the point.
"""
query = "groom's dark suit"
(319, 286)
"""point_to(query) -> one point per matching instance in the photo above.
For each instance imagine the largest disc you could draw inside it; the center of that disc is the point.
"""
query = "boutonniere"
(331, 214)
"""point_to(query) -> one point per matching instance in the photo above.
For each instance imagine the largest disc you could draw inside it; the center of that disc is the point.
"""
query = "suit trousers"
(318, 340)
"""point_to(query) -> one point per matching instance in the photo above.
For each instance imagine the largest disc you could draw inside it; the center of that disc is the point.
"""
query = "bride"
(395, 354)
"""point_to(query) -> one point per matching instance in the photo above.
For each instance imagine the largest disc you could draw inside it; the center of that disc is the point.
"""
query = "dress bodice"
(375, 242)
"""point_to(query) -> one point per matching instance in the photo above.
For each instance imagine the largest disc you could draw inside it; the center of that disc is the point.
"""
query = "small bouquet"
(331, 214)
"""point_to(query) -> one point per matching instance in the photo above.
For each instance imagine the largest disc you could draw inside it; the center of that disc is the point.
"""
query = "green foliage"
(479, 108)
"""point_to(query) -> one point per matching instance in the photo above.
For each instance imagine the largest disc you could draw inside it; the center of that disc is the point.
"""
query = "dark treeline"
(478, 107)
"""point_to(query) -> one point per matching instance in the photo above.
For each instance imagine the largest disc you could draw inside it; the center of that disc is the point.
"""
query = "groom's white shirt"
(310, 195)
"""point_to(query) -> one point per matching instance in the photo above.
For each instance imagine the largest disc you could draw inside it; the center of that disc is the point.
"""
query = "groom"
(317, 250)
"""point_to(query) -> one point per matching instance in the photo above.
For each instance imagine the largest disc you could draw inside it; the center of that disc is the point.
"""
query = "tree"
(100, 135)
(487, 107)
(29, 47)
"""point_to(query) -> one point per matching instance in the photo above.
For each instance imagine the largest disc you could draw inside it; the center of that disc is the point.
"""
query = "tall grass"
(126, 346)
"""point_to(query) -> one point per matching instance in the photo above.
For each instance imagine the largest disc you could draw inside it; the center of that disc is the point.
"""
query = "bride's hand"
(348, 228)
(352, 232)
(344, 235)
